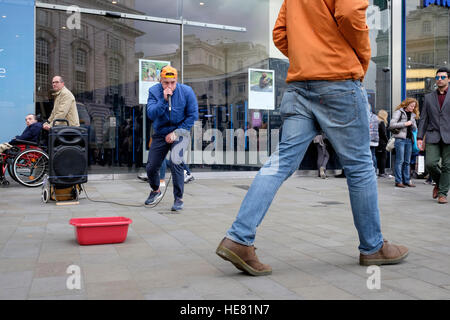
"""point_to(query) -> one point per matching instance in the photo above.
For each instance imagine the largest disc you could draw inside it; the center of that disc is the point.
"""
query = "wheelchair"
(26, 162)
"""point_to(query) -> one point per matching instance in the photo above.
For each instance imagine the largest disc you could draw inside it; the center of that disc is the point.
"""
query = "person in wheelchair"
(31, 133)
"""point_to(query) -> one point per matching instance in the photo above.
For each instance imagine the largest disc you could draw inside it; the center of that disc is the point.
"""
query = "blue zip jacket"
(184, 109)
(31, 132)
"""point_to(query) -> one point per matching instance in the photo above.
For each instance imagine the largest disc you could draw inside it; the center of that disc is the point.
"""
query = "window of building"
(113, 43)
(426, 27)
(42, 66)
(113, 76)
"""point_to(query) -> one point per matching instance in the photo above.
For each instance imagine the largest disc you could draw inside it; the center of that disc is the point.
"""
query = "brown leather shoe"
(388, 254)
(400, 185)
(442, 199)
(243, 257)
(410, 185)
(435, 191)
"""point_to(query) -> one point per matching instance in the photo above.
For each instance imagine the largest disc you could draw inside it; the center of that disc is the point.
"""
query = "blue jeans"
(403, 150)
(340, 109)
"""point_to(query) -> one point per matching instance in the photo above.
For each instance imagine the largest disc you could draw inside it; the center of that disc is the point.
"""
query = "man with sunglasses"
(173, 108)
(434, 127)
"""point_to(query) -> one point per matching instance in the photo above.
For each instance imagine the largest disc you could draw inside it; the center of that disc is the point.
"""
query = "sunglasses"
(440, 77)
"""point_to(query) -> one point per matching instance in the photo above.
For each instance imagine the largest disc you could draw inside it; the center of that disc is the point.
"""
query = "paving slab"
(307, 236)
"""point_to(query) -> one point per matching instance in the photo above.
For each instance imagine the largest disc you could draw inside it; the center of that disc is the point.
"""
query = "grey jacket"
(434, 122)
(399, 118)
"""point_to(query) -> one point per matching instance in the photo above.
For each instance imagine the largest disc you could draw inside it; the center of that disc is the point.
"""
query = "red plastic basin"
(100, 230)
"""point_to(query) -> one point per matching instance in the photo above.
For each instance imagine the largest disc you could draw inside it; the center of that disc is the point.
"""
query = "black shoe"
(153, 197)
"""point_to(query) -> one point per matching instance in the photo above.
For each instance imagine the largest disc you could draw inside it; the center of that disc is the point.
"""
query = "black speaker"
(67, 152)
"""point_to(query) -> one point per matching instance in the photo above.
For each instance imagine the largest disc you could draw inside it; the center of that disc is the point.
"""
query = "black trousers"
(158, 151)
(381, 155)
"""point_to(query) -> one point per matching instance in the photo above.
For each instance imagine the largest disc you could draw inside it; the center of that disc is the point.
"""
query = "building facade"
(97, 46)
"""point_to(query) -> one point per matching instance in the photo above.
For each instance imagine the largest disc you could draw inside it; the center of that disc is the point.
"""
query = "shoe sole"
(230, 256)
(154, 201)
(378, 262)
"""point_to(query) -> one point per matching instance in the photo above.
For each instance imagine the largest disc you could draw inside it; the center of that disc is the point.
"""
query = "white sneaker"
(188, 177)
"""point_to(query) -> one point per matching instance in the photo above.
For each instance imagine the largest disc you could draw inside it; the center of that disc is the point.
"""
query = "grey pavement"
(308, 238)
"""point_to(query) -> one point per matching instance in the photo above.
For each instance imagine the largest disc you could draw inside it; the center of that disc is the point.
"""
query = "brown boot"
(243, 257)
(435, 191)
(388, 254)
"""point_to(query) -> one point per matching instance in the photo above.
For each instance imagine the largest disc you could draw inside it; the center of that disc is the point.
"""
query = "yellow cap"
(169, 72)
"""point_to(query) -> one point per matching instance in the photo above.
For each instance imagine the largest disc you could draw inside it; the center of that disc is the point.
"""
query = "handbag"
(396, 130)
(391, 144)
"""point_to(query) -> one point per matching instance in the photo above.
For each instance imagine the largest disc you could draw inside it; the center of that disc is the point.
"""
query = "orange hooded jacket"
(323, 39)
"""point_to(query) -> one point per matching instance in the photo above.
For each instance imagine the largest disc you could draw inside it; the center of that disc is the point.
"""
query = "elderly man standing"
(64, 106)
(327, 43)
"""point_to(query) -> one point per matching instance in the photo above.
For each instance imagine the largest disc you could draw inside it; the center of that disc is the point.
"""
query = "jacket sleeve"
(191, 109)
(395, 121)
(279, 31)
(351, 20)
(61, 110)
(156, 104)
(423, 122)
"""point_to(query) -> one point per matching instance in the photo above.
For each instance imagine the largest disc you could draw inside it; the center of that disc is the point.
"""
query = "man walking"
(327, 43)
(434, 127)
(64, 106)
(173, 109)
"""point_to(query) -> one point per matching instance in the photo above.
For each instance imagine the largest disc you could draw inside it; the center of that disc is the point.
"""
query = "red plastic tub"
(100, 230)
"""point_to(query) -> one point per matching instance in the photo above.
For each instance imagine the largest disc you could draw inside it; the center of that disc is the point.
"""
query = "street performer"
(173, 108)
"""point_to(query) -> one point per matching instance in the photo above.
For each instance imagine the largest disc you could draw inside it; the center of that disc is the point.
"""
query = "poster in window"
(261, 93)
(149, 75)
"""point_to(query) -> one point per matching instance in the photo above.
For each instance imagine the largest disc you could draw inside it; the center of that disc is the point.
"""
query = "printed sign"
(261, 89)
(149, 75)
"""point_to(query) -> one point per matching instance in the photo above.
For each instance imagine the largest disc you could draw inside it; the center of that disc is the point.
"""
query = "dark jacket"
(31, 133)
(434, 121)
(184, 109)
(383, 136)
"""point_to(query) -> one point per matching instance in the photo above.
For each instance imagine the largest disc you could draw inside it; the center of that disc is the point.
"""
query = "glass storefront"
(99, 61)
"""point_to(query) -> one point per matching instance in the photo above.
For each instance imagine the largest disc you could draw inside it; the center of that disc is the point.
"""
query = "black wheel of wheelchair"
(11, 173)
(30, 167)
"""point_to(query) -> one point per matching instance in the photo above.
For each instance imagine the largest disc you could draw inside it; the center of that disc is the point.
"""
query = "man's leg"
(444, 183)
(433, 155)
(297, 132)
(343, 114)
(156, 154)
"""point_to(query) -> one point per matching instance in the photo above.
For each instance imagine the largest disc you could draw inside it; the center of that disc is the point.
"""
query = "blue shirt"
(184, 109)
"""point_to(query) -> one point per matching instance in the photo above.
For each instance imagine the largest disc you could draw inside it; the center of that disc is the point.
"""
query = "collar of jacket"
(57, 93)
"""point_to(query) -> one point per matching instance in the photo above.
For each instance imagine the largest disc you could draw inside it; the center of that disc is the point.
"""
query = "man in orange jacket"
(327, 43)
